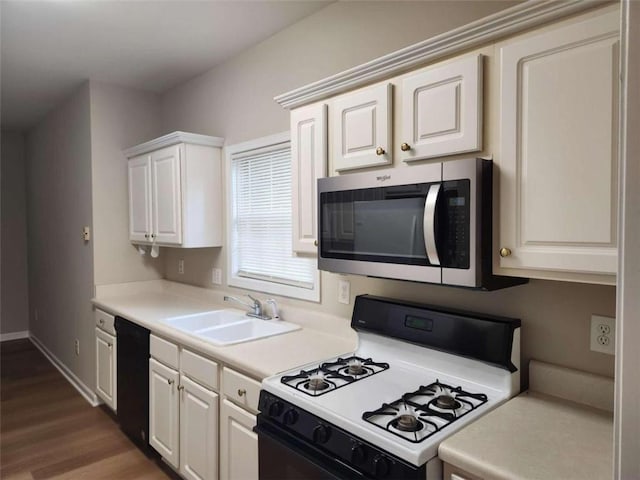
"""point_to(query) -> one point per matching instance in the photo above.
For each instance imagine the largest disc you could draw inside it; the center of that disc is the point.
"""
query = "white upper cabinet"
(175, 191)
(361, 128)
(167, 211)
(309, 162)
(140, 198)
(558, 150)
(442, 110)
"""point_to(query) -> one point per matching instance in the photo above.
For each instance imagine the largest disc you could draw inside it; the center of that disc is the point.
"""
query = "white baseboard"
(5, 337)
(85, 391)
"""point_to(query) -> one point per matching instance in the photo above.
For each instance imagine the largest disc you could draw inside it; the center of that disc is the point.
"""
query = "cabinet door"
(198, 431)
(106, 368)
(361, 128)
(309, 162)
(238, 443)
(167, 195)
(442, 110)
(163, 411)
(140, 227)
(558, 160)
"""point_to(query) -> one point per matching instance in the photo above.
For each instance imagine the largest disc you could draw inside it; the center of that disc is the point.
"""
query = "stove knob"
(381, 466)
(290, 416)
(358, 454)
(275, 409)
(321, 433)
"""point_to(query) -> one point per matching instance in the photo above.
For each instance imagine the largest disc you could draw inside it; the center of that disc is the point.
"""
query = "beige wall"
(235, 101)
(14, 312)
(59, 205)
(120, 118)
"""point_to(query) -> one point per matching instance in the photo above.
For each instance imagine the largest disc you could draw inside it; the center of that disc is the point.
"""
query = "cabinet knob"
(146, 235)
(109, 345)
(315, 243)
(405, 147)
(241, 392)
(505, 252)
(180, 387)
(101, 321)
(169, 381)
(153, 235)
(380, 151)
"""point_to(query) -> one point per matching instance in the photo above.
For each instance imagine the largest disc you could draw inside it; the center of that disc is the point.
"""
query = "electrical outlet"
(181, 266)
(603, 334)
(216, 276)
(344, 293)
(76, 345)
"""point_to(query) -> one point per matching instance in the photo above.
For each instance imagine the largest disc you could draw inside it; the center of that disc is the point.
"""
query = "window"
(260, 254)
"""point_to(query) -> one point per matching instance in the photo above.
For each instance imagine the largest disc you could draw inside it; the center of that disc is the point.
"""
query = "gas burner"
(355, 367)
(408, 423)
(420, 414)
(332, 375)
(317, 383)
(447, 402)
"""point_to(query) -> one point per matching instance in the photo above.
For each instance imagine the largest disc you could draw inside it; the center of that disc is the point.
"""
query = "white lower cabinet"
(106, 359)
(164, 411)
(198, 431)
(106, 368)
(183, 412)
(238, 443)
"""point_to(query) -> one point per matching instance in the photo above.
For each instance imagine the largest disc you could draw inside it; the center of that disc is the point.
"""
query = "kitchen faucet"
(255, 308)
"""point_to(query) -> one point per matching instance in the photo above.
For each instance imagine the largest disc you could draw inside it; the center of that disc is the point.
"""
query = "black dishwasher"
(133, 381)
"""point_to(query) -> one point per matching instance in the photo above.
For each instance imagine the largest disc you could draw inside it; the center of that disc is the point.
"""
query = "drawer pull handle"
(241, 392)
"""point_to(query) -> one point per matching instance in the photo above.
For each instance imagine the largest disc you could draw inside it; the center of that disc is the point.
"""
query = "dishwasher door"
(133, 381)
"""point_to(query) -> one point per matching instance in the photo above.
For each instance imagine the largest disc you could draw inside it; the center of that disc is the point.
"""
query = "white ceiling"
(48, 48)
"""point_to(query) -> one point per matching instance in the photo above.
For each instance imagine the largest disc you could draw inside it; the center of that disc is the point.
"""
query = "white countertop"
(536, 436)
(259, 358)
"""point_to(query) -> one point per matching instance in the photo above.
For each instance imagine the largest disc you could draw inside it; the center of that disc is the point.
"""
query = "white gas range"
(419, 374)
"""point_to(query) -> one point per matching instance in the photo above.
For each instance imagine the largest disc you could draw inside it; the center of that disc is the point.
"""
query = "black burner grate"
(434, 407)
(335, 374)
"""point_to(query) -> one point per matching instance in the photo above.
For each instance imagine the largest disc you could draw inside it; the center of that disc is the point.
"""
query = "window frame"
(234, 280)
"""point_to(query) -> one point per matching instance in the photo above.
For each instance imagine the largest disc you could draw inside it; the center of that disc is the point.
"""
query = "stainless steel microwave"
(429, 223)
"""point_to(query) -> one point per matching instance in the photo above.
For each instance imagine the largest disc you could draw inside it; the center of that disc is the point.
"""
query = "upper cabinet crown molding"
(493, 27)
(173, 139)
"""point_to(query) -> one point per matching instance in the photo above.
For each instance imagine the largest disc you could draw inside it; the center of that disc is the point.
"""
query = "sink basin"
(201, 321)
(226, 327)
(250, 329)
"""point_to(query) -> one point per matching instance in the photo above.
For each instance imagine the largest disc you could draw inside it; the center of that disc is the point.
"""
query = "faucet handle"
(256, 302)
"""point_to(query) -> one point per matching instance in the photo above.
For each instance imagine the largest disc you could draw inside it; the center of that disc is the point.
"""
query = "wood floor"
(47, 430)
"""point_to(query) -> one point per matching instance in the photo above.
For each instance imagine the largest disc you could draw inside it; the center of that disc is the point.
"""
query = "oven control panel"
(322, 436)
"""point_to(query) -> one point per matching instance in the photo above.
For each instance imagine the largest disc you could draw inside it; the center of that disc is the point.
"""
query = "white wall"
(59, 205)
(120, 118)
(14, 314)
(235, 100)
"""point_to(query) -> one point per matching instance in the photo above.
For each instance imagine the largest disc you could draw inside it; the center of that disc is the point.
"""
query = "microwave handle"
(429, 224)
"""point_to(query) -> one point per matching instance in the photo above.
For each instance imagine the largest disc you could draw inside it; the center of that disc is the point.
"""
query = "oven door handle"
(429, 224)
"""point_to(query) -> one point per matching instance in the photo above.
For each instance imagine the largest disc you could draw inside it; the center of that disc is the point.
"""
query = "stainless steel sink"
(226, 327)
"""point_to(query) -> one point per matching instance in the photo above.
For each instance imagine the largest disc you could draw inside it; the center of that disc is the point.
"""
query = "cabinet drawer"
(105, 321)
(164, 351)
(241, 389)
(200, 369)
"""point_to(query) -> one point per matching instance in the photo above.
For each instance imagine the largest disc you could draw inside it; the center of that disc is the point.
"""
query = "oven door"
(285, 457)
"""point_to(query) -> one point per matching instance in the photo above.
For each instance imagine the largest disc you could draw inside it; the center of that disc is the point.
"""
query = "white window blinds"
(262, 219)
